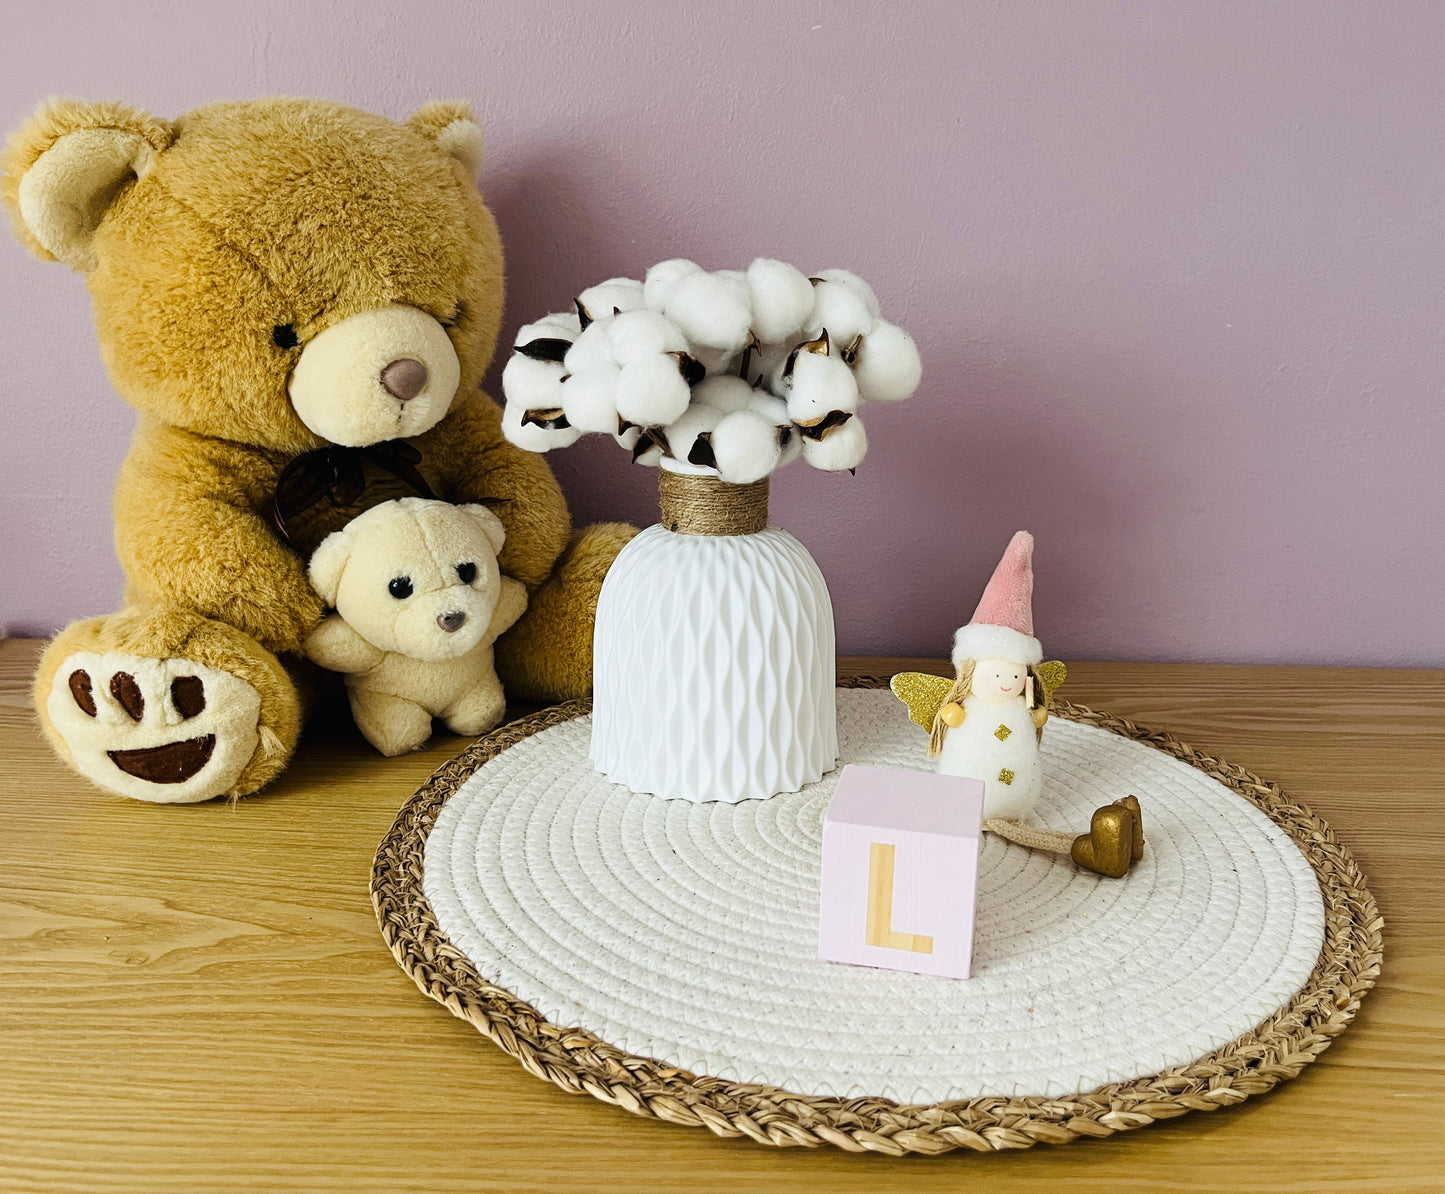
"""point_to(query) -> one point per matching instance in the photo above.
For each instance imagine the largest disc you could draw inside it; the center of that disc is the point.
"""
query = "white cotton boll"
(531, 438)
(682, 436)
(593, 349)
(792, 447)
(651, 392)
(745, 447)
(589, 399)
(778, 380)
(771, 406)
(643, 333)
(560, 325)
(854, 283)
(842, 448)
(842, 311)
(615, 294)
(715, 361)
(663, 277)
(819, 384)
(712, 311)
(725, 393)
(765, 363)
(532, 385)
(775, 410)
(887, 366)
(651, 458)
(628, 440)
(782, 299)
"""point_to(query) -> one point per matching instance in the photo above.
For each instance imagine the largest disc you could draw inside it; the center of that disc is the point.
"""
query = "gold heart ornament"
(1115, 839)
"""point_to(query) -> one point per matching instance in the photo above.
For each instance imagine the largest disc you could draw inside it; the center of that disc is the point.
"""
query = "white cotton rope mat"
(689, 932)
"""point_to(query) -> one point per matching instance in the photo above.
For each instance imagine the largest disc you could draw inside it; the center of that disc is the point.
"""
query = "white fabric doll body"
(997, 742)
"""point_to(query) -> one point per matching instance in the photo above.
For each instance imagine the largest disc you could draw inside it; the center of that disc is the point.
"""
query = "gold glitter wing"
(923, 694)
(1051, 675)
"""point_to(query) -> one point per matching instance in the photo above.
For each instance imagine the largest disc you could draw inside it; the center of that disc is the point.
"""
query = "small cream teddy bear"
(419, 601)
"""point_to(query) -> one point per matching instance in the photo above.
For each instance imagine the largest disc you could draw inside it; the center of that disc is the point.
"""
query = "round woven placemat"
(577, 1060)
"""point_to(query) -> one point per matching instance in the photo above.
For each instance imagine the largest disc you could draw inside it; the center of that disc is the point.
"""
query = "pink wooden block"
(900, 870)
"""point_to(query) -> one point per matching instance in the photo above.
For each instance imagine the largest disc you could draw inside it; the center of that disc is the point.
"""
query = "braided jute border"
(578, 1061)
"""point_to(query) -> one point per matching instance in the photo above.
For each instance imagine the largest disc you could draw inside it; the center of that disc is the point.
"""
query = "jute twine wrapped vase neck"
(713, 656)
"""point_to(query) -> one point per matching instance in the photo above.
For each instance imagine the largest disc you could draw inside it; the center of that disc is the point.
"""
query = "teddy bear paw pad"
(170, 731)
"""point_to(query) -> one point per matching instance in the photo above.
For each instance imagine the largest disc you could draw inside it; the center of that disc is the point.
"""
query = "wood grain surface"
(197, 997)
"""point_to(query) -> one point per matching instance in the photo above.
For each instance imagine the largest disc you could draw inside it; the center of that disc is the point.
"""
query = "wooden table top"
(197, 997)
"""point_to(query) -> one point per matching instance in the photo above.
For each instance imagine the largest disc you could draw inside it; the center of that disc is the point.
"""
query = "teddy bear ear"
(328, 562)
(456, 132)
(491, 525)
(67, 164)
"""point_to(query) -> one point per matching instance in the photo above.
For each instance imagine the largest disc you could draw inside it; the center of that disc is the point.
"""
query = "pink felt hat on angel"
(1003, 624)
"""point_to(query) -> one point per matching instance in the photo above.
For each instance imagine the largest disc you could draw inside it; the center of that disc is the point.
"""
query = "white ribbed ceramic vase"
(713, 667)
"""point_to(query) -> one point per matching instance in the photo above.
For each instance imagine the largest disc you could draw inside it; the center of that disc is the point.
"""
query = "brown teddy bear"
(300, 299)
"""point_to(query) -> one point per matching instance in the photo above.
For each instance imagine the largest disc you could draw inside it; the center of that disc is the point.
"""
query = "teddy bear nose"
(404, 378)
(451, 622)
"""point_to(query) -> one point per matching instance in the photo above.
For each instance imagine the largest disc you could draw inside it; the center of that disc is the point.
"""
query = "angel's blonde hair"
(957, 693)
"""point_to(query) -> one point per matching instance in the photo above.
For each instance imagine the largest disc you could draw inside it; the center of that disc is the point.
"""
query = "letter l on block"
(880, 904)
(900, 855)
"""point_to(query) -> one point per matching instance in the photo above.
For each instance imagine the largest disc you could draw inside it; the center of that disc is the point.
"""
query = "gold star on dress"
(1002, 732)
(1005, 776)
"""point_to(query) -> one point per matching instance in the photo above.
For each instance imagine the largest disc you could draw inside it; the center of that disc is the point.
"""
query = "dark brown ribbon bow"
(337, 474)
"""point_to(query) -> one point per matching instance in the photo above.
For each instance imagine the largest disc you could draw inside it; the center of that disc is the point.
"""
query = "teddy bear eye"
(400, 588)
(466, 573)
(283, 335)
(455, 317)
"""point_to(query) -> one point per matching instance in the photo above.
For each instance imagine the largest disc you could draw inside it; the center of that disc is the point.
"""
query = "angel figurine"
(988, 722)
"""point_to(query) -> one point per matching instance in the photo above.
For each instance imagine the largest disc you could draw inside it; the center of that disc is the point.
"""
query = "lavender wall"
(1175, 271)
